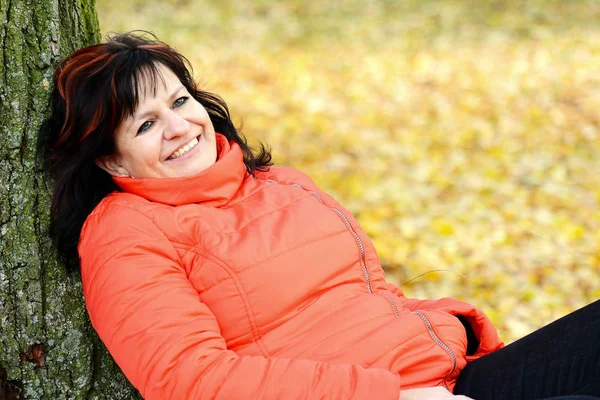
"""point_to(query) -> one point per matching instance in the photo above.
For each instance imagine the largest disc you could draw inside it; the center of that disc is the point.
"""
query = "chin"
(196, 170)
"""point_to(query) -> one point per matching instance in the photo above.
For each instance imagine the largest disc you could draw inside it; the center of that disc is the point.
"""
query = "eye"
(180, 101)
(145, 126)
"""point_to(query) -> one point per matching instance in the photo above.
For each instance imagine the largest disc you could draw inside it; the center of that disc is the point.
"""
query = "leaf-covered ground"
(464, 135)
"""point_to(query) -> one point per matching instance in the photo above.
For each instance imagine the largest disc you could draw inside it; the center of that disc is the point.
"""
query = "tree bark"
(48, 349)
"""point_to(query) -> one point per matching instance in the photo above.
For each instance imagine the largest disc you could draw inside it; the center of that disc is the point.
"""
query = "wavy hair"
(95, 88)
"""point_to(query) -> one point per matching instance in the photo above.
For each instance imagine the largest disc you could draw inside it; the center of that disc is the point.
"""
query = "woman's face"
(170, 135)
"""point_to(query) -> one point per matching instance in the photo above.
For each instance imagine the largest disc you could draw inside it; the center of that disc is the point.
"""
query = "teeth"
(181, 151)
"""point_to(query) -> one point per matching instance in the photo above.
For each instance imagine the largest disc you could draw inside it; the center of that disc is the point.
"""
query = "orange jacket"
(226, 286)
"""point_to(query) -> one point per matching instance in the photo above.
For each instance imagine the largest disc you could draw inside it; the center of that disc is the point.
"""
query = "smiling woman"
(169, 136)
(209, 273)
(122, 107)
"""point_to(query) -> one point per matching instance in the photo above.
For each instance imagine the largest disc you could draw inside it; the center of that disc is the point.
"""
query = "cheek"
(144, 151)
(201, 112)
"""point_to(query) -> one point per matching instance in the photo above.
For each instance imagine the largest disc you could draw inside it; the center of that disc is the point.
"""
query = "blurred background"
(463, 135)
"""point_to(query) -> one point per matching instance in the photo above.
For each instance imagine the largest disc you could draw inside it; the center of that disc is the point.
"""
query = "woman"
(208, 273)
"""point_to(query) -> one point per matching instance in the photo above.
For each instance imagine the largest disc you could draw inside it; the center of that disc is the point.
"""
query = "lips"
(184, 149)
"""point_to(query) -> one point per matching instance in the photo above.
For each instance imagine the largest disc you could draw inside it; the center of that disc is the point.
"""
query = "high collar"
(215, 186)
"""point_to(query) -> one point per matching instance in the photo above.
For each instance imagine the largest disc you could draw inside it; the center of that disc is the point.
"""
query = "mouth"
(185, 149)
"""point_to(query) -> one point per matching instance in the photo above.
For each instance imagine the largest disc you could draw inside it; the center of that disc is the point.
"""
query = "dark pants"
(560, 359)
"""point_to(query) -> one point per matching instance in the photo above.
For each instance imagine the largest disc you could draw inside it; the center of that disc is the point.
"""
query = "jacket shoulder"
(116, 211)
(119, 225)
(121, 201)
(120, 204)
(288, 175)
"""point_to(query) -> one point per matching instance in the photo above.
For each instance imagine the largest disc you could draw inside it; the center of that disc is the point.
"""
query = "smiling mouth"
(184, 149)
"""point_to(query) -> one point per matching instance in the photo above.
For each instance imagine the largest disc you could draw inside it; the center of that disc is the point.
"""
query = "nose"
(176, 125)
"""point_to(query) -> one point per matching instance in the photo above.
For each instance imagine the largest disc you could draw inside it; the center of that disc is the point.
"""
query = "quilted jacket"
(228, 286)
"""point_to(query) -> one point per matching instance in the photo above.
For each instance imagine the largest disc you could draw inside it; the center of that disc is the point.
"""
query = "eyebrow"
(144, 115)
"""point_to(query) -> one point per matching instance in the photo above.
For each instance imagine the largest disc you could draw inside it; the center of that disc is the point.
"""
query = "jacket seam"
(233, 202)
(279, 254)
(243, 295)
(99, 215)
(214, 259)
(236, 231)
(195, 250)
(267, 213)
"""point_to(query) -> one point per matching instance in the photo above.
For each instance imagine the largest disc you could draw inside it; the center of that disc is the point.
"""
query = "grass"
(464, 137)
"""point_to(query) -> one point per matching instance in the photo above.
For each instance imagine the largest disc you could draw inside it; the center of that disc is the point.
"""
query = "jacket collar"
(215, 186)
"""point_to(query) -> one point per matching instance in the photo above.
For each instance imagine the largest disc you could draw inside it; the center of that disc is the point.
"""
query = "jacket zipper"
(358, 240)
(393, 304)
(438, 341)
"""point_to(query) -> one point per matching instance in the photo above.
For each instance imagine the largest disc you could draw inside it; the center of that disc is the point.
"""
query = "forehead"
(155, 82)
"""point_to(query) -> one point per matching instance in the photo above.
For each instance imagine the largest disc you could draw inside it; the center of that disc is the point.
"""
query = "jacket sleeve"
(485, 332)
(168, 343)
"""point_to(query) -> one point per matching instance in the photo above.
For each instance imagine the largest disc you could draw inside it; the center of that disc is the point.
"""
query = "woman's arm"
(168, 343)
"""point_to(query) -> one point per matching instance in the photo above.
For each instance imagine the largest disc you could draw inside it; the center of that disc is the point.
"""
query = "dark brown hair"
(95, 88)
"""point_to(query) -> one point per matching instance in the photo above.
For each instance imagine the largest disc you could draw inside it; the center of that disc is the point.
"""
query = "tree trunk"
(48, 349)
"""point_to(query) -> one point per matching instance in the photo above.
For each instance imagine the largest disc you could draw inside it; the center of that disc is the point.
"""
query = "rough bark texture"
(48, 349)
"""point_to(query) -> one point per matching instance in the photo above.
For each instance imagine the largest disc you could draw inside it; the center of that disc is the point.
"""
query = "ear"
(111, 165)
